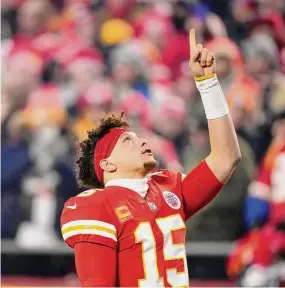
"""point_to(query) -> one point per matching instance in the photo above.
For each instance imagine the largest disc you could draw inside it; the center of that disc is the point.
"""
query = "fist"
(202, 61)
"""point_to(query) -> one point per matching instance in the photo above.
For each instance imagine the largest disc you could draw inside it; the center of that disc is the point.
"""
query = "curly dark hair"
(86, 176)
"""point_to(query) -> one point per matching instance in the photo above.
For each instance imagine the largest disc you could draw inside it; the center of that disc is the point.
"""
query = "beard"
(150, 165)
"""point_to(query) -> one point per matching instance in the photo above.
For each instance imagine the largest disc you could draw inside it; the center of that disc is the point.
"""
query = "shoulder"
(165, 176)
(85, 200)
(88, 217)
(163, 173)
(91, 195)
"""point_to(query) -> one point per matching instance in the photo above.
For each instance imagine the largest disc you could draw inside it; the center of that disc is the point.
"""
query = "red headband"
(104, 148)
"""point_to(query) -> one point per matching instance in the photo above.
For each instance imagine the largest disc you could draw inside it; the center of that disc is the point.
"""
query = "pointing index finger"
(192, 40)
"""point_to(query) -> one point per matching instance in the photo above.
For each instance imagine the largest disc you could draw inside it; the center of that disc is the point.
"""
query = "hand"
(202, 61)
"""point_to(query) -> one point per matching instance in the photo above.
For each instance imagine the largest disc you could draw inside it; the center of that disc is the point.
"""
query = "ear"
(108, 165)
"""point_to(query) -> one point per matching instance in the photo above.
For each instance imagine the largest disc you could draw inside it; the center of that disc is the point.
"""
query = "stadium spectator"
(264, 216)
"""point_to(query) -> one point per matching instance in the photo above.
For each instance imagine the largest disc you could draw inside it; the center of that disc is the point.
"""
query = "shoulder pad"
(89, 192)
(87, 218)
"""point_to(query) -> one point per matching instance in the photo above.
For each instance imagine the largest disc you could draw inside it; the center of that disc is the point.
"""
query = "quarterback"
(128, 230)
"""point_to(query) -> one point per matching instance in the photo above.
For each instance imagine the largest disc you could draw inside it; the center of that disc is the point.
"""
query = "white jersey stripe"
(89, 232)
(89, 222)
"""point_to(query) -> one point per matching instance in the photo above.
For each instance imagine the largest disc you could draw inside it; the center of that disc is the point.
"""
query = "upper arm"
(220, 169)
(199, 187)
(88, 219)
(95, 265)
(196, 189)
(88, 226)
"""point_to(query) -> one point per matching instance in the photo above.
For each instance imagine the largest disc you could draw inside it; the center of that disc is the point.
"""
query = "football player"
(129, 228)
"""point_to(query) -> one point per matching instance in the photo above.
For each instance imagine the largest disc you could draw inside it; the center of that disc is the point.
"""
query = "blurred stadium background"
(65, 63)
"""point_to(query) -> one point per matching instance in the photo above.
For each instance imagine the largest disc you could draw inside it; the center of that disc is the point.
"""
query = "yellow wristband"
(201, 78)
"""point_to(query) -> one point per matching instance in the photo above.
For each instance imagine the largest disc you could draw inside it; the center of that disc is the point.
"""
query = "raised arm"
(225, 152)
(202, 184)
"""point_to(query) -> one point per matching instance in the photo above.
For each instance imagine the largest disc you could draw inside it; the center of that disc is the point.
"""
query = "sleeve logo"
(172, 200)
(72, 206)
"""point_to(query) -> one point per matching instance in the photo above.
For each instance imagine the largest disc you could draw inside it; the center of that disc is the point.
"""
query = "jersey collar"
(138, 185)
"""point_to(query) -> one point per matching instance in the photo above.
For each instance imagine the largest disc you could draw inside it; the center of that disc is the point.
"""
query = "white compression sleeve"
(213, 98)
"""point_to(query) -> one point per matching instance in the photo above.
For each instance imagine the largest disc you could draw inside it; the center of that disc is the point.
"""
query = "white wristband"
(215, 104)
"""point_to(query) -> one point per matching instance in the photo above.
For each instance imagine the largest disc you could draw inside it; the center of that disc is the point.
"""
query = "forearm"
(225, 152)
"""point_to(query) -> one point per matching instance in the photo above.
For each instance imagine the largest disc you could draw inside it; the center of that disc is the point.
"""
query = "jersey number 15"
(144, 235)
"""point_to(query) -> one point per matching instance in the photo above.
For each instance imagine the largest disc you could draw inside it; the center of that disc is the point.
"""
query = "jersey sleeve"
(96, 265)
(196, 189)
(88, 218)
(199, 188)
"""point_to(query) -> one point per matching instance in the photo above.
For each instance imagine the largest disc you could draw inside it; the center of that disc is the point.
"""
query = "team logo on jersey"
(123, 213)
(72, 206)
(172, 200)
(152, 206)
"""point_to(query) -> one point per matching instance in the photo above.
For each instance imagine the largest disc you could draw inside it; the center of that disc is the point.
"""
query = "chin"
(150, 165)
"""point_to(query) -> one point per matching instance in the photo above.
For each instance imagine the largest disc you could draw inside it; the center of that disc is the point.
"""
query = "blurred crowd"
(65, 63)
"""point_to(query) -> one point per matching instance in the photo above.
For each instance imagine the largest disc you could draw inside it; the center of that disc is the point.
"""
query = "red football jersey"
(148, 234)
(270, 181)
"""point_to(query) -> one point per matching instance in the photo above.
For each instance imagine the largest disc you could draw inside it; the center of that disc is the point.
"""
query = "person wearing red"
(254, 255)
(128, 230)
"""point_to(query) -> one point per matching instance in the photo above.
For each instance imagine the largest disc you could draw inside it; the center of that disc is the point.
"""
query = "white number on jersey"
(171, 251)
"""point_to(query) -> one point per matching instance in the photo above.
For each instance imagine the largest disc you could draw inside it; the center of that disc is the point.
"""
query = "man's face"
(132, 154)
